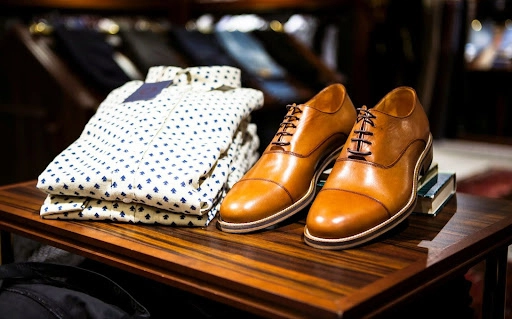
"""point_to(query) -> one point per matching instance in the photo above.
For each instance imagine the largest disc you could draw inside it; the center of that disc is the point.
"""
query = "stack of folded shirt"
(164, 150)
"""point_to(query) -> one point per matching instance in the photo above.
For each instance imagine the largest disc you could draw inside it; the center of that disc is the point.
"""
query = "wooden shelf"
(259, 6)
(175, 10)
(94, 4)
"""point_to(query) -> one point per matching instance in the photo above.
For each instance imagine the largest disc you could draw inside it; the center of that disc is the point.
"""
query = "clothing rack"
(46, 94)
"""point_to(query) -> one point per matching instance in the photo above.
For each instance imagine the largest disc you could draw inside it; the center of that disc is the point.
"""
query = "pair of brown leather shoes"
(380, 153)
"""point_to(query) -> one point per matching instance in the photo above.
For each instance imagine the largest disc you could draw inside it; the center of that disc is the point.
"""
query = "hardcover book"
(435, 192)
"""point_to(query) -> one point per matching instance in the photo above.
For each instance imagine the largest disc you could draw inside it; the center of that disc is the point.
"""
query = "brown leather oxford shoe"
(283, 180)
(372, 186)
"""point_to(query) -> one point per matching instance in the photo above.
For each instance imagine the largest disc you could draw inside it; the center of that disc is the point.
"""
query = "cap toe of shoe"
(253, 200)
(338, 214)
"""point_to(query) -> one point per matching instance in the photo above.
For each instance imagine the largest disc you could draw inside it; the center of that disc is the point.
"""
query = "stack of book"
(435, 188)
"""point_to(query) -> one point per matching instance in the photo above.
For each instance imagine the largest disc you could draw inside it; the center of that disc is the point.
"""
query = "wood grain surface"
(272, 273)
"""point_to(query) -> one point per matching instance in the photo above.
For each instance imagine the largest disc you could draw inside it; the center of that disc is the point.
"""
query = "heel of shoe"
(429, 157)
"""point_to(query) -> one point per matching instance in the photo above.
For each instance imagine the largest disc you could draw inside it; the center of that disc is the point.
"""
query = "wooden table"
(273, 273)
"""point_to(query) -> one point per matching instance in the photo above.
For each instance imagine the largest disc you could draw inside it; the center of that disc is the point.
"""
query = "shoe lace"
(289, 121)
(365, 117)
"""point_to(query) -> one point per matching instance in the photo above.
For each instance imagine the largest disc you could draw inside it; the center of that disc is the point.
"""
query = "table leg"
(493, 305)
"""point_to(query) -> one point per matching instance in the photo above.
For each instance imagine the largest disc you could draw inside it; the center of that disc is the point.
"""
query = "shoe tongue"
(277, 148)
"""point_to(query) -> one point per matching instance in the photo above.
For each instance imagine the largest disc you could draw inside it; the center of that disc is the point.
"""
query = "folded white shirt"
(168, 159)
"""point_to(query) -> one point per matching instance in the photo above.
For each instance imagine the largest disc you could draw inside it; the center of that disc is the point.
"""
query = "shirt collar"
(203, 78)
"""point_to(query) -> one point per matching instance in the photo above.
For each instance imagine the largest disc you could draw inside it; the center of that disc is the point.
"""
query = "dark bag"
(46, 290)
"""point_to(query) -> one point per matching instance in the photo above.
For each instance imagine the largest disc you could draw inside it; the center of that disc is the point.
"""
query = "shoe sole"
(285, 213)
(421, 168)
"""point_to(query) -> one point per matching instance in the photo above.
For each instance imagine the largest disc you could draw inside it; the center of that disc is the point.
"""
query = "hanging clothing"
(149, 48)
(92, 55)
(251, 55)
(169, 159)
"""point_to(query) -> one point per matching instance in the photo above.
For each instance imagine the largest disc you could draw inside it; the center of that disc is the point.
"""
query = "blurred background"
(59, 59)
